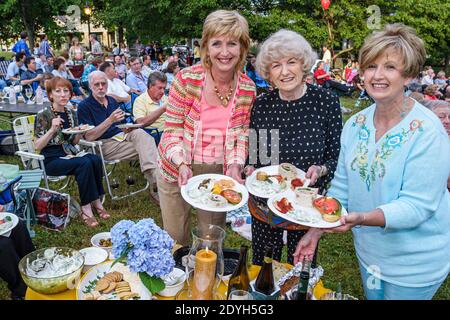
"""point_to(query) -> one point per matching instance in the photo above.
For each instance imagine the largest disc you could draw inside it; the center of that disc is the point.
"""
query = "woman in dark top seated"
(13, 248)
(297, 123)
(58, 147)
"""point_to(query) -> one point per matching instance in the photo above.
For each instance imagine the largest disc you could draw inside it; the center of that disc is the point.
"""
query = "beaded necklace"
(223, 99)
(66, 111)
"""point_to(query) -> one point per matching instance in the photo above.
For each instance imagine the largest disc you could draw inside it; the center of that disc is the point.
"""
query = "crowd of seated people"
(323, 79)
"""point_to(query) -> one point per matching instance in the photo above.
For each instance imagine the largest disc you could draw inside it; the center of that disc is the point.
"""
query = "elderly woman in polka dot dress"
(297, 123)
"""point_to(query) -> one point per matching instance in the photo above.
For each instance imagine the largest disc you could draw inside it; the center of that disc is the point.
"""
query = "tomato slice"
(284, 206)
(232, 196)
(327, 205)
(297, 182)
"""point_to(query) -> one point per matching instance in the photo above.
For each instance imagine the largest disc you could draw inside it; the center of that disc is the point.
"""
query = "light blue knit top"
(405, 175)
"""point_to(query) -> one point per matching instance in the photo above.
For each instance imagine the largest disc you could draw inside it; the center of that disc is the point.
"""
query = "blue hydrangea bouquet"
(146, 249)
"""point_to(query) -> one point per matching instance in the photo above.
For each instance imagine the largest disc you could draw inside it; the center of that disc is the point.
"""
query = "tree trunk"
(26, 10)
(120, 35)
(342, 52)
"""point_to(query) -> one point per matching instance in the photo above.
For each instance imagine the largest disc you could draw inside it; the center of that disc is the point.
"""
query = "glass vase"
(205, 263)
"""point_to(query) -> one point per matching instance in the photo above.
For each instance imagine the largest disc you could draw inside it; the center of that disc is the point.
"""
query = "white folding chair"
(24, 131)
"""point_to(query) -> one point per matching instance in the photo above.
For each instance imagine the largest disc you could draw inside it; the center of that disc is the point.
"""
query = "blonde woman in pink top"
(207, 119)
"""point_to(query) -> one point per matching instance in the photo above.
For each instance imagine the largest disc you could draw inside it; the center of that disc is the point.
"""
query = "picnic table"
(253, 271)
(9, 111)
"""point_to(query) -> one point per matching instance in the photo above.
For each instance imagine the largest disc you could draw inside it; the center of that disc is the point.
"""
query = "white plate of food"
(303, 206)
(7, 222)
(268, 181)
(78, 129)
(214, 192)
(103, 282)
(129, 125)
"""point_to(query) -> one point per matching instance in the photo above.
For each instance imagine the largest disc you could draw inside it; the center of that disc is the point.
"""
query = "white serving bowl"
(172, 290)
(95, 240)
(93, 256)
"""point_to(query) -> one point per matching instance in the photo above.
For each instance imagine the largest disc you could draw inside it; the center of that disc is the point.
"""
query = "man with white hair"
(441, 109)
(104, 113)
(428, 79)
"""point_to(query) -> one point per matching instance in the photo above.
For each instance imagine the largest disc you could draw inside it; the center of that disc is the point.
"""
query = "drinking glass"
(29, 94)
(2, 95)
(240, 295)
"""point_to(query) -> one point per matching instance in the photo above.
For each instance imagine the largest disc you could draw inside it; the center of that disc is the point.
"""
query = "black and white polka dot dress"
(302, 132)
(309, 131)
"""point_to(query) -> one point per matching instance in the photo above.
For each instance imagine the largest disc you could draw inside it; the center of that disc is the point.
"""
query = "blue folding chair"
(7, 192)
(155, 133)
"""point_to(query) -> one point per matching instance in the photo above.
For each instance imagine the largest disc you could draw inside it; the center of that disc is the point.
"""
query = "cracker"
(109, 277)
(123, 294)
(111, 287)
(102, 285)
(131, 295)
(89, 296)
(118, 276)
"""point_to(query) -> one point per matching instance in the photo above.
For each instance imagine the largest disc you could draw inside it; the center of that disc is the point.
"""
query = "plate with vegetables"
(303, 206)
(214, 192)
(272, 180)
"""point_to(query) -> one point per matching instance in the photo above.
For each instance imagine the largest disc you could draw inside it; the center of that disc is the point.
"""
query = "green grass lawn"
(7, 55)
(336, 252)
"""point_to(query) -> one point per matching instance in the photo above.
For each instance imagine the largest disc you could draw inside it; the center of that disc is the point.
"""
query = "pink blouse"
(209, 148)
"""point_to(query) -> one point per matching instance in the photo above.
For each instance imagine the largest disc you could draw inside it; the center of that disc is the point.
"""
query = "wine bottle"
(265, 282)
(240, 280)
(302, 289)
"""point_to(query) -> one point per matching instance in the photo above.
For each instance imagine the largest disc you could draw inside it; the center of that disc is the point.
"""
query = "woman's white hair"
(282, 44)
(434, 104)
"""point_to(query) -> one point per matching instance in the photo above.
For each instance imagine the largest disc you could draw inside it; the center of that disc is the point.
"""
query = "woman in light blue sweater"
(391, 176)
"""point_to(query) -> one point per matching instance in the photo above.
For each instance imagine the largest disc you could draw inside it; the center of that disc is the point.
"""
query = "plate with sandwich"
(214, 192)
(305, 207)
(268, 181)
(82, 128)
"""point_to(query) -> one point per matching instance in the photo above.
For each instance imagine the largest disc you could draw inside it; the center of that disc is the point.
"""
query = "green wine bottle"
(239, 279)
(265, 282)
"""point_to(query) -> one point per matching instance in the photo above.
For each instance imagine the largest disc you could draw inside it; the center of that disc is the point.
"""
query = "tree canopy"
(172, 20)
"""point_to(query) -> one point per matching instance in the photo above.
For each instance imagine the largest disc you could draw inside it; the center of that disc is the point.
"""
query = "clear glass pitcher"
(205, 266)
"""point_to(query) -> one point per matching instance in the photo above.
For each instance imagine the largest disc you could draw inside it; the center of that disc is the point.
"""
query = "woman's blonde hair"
(282, 44)
(225, 23)
(403, 40)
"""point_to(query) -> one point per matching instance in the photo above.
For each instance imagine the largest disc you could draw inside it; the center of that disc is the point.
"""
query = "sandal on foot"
(102, 213)
(89, 221)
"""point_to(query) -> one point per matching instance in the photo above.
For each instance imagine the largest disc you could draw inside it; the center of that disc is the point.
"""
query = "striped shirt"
(183, 121)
